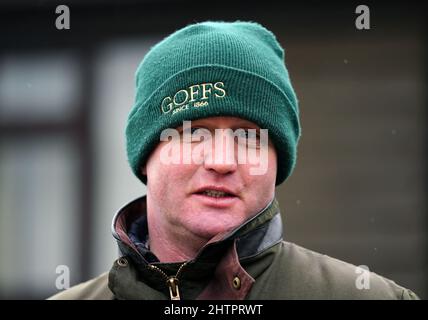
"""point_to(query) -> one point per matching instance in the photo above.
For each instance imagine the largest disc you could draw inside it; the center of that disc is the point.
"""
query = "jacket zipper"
(171, 281)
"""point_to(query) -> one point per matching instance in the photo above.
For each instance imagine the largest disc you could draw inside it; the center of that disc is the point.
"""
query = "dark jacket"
(249, 262)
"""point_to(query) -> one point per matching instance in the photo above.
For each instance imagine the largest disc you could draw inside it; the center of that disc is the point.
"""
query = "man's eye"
(193, 130)
(249, 136)
(198, 130)
(248, 133)
(195, 134)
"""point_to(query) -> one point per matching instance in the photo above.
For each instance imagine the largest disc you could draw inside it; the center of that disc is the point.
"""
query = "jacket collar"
(253, 235)
(222, 252)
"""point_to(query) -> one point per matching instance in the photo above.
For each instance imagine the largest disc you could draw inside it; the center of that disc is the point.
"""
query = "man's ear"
(144, 170)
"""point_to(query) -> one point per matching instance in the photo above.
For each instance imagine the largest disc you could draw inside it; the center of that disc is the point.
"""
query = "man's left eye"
(251, 136)
(193, 130)
(248, 133)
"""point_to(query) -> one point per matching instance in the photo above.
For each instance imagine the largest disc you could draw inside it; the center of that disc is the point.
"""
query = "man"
(210, 227)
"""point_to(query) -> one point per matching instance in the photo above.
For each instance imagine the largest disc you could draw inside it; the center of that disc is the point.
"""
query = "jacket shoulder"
(94, 289)
(330, 278)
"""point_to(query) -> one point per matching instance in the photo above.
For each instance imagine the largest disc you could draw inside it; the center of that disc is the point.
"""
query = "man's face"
(189, 198)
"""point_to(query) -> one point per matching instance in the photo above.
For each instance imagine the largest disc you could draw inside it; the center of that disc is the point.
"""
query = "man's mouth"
(216, 193)
(220, 197)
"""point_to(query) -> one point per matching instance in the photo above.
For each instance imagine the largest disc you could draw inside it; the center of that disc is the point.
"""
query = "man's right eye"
(191, 130)
(249, 136)
(196, 134)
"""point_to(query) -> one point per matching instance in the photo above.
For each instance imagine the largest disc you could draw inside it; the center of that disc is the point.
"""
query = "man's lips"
(225, 202)
(216, 190)
(219, 197)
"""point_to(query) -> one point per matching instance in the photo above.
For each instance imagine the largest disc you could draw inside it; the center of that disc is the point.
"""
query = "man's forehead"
(223, 122)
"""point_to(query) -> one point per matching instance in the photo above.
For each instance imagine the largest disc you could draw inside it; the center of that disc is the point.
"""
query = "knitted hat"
(214, 69)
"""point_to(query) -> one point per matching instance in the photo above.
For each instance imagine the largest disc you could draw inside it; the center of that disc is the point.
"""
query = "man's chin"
(207, 230)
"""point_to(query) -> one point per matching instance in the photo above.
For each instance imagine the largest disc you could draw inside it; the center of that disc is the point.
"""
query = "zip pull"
(172, 283)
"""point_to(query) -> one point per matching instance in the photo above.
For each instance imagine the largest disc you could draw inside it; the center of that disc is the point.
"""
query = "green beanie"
(214, 69)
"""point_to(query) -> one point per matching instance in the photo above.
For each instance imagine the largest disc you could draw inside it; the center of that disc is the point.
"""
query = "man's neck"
(173, 248)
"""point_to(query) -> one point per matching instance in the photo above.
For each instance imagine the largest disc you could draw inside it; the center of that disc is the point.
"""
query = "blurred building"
(358, 193)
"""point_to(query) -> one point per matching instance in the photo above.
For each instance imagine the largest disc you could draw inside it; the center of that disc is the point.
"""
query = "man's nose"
(221, 155)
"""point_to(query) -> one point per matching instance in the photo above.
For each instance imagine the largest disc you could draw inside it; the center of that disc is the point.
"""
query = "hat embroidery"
(195, 96)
